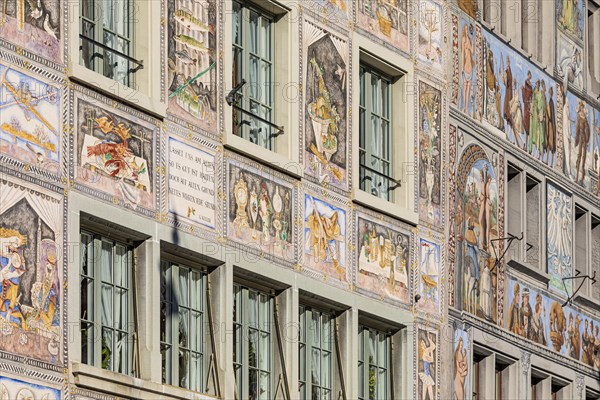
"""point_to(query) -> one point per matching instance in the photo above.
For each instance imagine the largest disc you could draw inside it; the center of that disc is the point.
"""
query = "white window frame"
(403, 134)
(98, 32)
(259, 93)
(242, 334)
(365, 362)
(147, 91)
(170, 284)
(88, 252)
(375, 106)
(285, 152)
(316, 338)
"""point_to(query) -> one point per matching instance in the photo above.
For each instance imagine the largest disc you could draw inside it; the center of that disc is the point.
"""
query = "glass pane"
(106, 261)
(121, 265)
(252, 310)
(372, 347)
(122, 350)
(184, 294)
(237, 344)
(252, 385)
(107, 305)
(302, 362)
(87, 292)
(87, 254)
(121, 304)
(166, 363)
(184, 357)
(375, 135)
(87, 342)
(315, 366)
(107, 348)
(198, 291)
(361, 379)
(362, 88)
(255, 85)
(236, 23)
(265, 83)
(375, 94)
(326, 369)
(264, 352)
(264, 385)
(328, 335)
(386, 149)
(381, 351)
(373, 383)
(315, 329)
(362, 129)
(183, 327)
(382, 383)
(385, 92)
(253, 30)
(197, 339)
(252, 348)
(265, 312)
(265, 36)
(196, 372)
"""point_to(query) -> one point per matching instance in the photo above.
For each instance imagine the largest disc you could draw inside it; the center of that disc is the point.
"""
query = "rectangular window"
(183, 327)
(581, 243)
(514, 208)
(253, 57)
(315, 349)
(595, 258)
(107, 319)
(533, 221)
(253, 351)
(374, 354)
(375, 138)
(106, 36)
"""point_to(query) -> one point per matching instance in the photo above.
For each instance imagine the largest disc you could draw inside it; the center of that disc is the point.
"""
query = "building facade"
(262, 199)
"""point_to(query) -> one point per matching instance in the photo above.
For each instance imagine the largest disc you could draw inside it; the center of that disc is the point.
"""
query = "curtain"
(107, 304)
(182, 296)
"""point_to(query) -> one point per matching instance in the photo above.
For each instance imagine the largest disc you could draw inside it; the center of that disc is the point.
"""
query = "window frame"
(204, 351)
(95, 322)
(367, 112)
(98, 64)
(362, 357)
(241, 338)
(306, 347)
(397, 66)
(243, 131)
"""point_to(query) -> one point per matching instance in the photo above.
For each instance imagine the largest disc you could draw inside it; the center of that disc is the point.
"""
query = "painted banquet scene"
(292, 200)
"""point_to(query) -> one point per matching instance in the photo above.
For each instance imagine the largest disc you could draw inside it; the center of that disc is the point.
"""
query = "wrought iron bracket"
(577, 275)
(509, 239)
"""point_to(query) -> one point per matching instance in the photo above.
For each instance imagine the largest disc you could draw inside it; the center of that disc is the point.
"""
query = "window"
(253, 343)
(582, 230)
(494, 13)
(593, 40)
(107, 320)
(523, 205)
(541, 385)
(530, 16)
(107, 39)
(595, 258)
(253, 59)
(560, 390)
(183, 326)
(374, 353)
(315, 350)
(375, 139)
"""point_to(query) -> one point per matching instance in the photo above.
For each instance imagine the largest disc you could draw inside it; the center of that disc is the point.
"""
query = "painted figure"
(516, 115)
(597, 347)
(550, 139)
(527, 92)
(514, 313)
(472, 267)
(526, 315)
(425, 376)
(574, 337)
(537, 324)
(468, 62)
(47, 300)
(508, 83)
(485, 208)
(13, 268)
(586, 344)
(566, 137)
(571, 68)
(582, 138)
(461, 369)
(557, 326)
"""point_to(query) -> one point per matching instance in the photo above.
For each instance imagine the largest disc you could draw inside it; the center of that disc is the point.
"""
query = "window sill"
(529, 270)
(276, 160)
(385, 207)
(112, 88)
(97, 379)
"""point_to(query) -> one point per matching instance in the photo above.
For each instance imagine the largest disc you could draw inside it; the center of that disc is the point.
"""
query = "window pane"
(183, 327)
(265, 351)
(106, 259)
(107, 305)
(265, 36)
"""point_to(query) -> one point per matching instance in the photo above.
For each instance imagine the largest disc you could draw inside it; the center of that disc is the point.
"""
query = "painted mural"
(468, 57)
(427, 365)
(569, 62)
(29, 119)
(31, 269)
(383, 259)
(570, 16)
(386, 19)
(578, 140)
(115, 154)
(469, 6)
(429, 276)
(595, 172)
(462, 366)
(325, 238)
(325, 91)
(430, 148)
(192, 72)
(332, 11)
(519, 100)
(559, 240)
(539, 317)
(430, 38)
(260, 212)
(34, 25)
(476, 230)
(15, 389)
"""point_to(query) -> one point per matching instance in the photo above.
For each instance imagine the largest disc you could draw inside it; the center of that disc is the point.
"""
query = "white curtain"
(47, 208)
(182, 294)
(313, 33)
